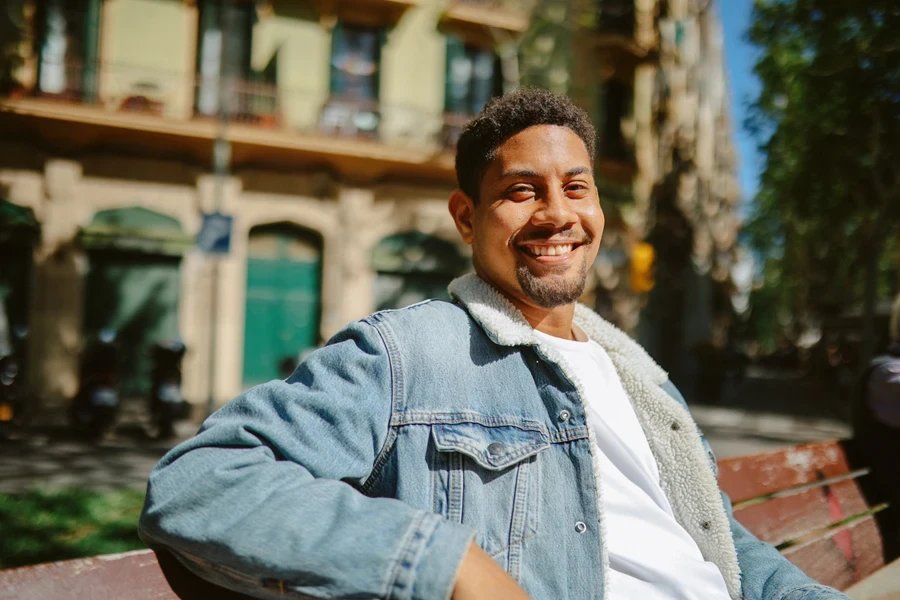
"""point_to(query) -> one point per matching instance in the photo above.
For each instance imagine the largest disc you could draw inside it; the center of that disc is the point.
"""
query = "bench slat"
(746, 477)
(789, 517)
(132, 575)
(825, 560)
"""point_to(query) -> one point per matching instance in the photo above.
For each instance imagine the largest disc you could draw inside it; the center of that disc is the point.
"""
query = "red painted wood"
(824, 561)
(746, 477)
(133, 575)
(781, 519)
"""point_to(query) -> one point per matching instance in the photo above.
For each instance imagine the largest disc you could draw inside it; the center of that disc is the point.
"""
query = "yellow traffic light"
(643, 257)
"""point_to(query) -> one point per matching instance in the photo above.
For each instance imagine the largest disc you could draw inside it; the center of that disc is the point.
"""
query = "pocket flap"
(492, 447)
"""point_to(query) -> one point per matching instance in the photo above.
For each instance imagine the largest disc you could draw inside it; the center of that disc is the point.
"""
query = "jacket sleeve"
(765, 573)
(266, 499)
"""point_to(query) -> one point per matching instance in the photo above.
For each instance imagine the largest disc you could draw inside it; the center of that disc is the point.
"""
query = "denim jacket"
(369, 471)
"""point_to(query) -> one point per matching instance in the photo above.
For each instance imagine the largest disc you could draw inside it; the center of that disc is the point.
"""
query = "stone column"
(57, 295)
(196, 313)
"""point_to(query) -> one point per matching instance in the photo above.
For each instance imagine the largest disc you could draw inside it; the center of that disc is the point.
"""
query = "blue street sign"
(215, 234)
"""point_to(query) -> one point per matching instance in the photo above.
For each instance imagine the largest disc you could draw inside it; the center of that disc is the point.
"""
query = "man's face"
(536, 228)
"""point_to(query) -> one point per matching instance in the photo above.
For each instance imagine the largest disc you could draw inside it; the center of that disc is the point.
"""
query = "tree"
(828, 119)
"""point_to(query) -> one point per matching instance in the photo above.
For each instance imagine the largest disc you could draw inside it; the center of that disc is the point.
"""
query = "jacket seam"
(395, 375)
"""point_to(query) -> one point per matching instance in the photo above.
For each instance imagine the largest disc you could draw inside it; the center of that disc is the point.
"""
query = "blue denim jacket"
(371, 469)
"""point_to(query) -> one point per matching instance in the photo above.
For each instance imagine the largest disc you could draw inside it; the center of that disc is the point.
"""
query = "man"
(876, 425)
(506, 445)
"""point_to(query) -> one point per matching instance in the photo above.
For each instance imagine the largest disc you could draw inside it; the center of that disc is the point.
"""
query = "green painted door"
(136, 295)
(283, 300)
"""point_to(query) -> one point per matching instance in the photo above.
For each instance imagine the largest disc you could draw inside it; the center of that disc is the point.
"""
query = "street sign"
(215, 234)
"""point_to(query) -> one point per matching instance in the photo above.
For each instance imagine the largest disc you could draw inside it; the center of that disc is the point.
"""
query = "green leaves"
(828, 120)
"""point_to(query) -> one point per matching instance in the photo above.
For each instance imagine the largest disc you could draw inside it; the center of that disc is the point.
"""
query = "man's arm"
(765, 573)
(265, 499)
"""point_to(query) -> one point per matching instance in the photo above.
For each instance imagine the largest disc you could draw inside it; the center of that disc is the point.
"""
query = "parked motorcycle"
(96, 404)
(12, 389)
(166, 400)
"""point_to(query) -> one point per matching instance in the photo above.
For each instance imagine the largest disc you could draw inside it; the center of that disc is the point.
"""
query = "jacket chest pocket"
(488, 477)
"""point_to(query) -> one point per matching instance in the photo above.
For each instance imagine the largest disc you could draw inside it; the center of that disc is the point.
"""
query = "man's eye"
(577, 189)
(520, 192)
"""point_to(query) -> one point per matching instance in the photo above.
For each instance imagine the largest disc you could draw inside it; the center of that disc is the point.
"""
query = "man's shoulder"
(426, 319)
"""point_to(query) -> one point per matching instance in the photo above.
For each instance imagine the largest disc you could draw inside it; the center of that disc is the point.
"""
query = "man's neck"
(556, 321)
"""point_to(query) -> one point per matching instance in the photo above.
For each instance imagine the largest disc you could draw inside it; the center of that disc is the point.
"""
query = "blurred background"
(196, 193)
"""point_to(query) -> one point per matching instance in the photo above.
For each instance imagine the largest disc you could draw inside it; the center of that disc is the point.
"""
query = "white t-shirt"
(651, 556)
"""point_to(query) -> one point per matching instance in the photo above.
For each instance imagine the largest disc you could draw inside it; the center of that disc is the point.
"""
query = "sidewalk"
(764, 412)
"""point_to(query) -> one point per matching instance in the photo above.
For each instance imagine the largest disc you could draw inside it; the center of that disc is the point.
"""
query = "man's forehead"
(539, 148)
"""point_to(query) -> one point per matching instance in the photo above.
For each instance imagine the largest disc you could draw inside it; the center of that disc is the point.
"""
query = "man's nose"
(554, 210)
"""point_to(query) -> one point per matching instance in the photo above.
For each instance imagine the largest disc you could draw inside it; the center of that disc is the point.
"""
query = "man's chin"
(551, 290)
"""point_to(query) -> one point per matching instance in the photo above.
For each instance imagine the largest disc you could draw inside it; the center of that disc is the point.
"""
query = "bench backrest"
(805, 500)
(808, 502)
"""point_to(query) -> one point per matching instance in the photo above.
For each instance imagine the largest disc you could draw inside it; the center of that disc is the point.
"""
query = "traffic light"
(643, 257)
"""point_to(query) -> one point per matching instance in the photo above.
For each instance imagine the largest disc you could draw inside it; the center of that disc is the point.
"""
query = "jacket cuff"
(427, 565)
(814, 592)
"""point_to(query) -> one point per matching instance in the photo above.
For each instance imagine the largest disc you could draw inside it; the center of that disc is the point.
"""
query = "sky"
(740, 56)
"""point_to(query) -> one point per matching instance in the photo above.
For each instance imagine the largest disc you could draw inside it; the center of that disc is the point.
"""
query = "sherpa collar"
(506, 326)
(685, 474)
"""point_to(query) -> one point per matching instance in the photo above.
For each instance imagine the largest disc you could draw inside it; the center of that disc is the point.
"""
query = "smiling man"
(509, 444)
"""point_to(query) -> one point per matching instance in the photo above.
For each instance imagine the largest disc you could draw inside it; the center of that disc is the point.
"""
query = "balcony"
(620, 27)
(173, 114)
(513, 16)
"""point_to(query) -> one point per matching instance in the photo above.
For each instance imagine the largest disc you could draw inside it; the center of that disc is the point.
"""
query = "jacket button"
(564, 415)
(495, 449)
(706, 525)
(676, 426)
(580, 527)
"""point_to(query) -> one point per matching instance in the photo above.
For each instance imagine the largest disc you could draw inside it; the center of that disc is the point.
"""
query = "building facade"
(336, 121)
(652, 75)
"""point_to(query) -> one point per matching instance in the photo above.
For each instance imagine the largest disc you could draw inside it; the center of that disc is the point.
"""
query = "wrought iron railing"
(186, 96)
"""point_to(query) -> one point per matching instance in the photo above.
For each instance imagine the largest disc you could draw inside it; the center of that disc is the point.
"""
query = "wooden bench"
(808, 501)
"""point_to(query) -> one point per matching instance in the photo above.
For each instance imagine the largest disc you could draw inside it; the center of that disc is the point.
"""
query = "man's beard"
(549, 291)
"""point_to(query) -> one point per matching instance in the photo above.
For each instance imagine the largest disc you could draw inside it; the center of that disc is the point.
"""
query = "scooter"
(12, 390)
(96, 404)
(166, 400)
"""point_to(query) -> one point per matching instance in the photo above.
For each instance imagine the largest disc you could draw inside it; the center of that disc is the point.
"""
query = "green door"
(283, 300)
(136, 295)
(132, 284)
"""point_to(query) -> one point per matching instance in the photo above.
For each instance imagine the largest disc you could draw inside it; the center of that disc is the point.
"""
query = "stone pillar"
(361, 226)
(196, 312)
(57, 295)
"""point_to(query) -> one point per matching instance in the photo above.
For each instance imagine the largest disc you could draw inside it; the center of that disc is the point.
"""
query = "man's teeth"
(551, 250)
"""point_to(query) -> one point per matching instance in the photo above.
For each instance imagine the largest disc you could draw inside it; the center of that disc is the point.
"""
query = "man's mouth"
(550, 250)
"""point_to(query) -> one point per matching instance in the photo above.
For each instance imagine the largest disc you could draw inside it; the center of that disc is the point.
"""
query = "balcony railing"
(188, 97)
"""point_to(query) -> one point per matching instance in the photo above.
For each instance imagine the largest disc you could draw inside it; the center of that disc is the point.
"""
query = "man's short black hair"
(505, 116)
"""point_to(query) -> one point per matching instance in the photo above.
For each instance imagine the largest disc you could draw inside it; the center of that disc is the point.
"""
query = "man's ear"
(462, 209)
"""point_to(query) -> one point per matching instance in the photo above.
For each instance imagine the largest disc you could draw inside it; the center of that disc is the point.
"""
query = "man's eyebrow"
(524, 173)
(579, 171)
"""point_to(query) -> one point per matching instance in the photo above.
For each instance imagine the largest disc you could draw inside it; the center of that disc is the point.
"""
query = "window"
(616, 106)
(473, 77)
(616, 17)
(356, 61)
(212, 60)
(68, 38)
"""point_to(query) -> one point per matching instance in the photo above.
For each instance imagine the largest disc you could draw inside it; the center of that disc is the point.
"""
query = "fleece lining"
(686, 476)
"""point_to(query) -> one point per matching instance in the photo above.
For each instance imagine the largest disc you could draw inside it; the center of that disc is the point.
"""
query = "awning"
(135, 229)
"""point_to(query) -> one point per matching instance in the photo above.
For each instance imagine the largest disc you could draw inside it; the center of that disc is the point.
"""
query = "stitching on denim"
(442, 418)
(396, 390)
(397, 559)
(509, 459)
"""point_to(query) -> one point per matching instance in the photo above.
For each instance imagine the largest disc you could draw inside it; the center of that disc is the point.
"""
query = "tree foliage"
(828, 121)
